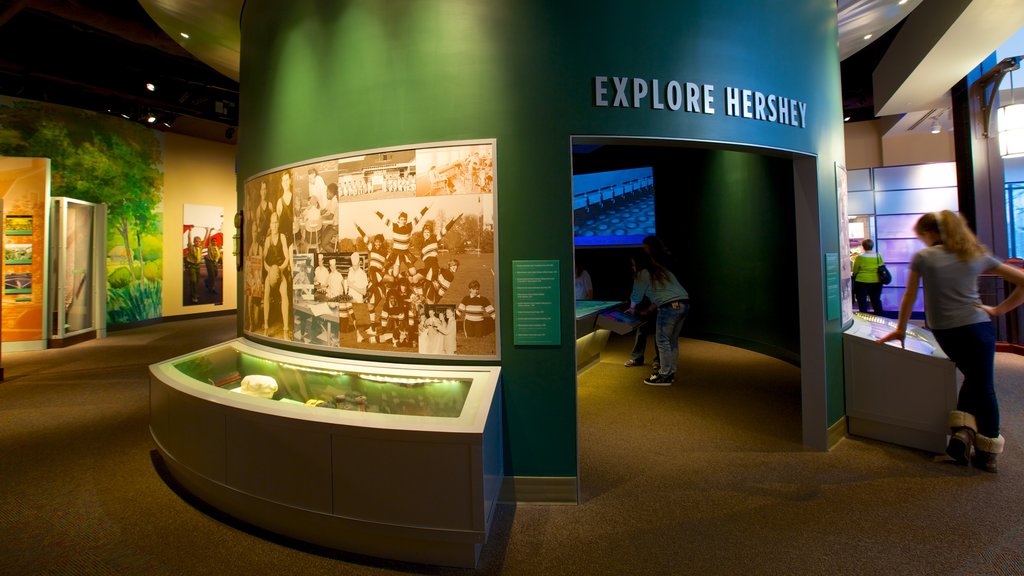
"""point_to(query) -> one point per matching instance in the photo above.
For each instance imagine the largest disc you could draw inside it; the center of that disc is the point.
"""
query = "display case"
(897, 394)
(388, 460)
(590, 339)
(77, 283)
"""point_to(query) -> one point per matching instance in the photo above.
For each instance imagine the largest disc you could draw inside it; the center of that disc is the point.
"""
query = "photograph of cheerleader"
(419, 252)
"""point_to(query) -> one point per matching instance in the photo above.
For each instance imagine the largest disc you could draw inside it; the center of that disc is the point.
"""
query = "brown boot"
(963, 428)
(985, 451)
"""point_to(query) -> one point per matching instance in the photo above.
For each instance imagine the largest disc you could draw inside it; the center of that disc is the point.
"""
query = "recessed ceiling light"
(151, 119)
(185, 35)
(902, 2)
(847, 119)
(150, 86)
(868, 37)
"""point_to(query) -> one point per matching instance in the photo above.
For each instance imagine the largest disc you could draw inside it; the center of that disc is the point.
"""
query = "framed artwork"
(18, 225)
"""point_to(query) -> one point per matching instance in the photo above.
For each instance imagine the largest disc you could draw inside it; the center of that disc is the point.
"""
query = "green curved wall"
(325, 77)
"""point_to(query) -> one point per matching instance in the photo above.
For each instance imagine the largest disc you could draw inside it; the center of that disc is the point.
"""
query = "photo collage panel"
(389, 252)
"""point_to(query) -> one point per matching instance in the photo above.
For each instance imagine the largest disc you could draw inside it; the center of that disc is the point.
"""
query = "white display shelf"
(408, 486)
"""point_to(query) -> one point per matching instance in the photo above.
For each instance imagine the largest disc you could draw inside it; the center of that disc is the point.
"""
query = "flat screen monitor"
(613, 208)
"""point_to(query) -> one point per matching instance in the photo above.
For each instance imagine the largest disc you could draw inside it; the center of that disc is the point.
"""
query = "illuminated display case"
(394, 461)
(591, 334)
(894, 394)
(77, 292)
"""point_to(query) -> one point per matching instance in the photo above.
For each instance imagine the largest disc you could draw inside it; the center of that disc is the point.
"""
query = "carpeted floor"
(704, 477)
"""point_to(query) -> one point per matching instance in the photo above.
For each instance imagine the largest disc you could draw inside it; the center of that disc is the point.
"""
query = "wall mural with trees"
(106, 160)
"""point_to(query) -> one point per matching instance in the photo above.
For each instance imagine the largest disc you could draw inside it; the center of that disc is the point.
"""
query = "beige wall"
(863, 144)
(918, 149)
(868, 146)
(196, 171)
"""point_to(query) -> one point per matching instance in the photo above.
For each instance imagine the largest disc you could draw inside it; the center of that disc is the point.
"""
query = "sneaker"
(960, 444)
(660, 379)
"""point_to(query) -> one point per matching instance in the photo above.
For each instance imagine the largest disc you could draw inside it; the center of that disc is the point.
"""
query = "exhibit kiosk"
(901, 395)
(78, 284)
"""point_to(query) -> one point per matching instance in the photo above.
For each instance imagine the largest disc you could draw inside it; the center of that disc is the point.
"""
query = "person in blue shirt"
(659, 285)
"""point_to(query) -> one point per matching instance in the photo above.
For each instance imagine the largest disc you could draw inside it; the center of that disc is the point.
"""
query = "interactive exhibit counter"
(595, 321)
(389, 460)
(894, 394)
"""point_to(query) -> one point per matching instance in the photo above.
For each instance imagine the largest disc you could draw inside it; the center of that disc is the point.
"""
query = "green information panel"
(832, 279)
(535, 312)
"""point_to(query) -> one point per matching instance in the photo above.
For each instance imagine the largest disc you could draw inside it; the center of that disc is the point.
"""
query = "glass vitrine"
(77, 282)
(284, 440)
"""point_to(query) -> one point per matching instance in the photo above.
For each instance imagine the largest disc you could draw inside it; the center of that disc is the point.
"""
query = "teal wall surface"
(325, 77)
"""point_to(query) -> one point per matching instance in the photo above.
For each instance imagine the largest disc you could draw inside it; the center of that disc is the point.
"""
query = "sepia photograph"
(376, 261)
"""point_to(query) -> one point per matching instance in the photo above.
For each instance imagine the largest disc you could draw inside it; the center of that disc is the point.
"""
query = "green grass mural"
(105, 160)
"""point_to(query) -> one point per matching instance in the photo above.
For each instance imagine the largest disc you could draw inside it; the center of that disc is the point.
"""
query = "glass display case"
(595, 321)
(897, 394)
(77, 286)
(590, 338)
(389, 460)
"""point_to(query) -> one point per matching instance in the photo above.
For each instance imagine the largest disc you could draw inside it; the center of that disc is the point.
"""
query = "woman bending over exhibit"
(277, 264)
(660, 286)
(950, 264)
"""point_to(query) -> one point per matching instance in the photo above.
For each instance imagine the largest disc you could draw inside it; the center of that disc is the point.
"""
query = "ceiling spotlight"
(184, 35)
(151, 119)
(936, 127)
(902, 2)
(847, 119)
(150, 86)
(868, 37)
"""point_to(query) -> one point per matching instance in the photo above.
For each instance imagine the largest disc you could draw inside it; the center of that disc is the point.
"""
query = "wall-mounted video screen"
(614, 208)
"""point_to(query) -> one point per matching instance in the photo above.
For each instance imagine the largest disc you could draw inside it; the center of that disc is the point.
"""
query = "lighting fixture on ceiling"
(1010, 119)
(868, 36)
(150, 86)
(185, 35)
(936, 127)
(151, 118)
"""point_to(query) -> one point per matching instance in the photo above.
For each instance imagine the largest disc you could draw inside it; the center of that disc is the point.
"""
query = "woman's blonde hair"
(953, 232)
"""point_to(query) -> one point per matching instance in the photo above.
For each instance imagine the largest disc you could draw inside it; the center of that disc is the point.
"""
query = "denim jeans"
(973, 349)
(669, 325)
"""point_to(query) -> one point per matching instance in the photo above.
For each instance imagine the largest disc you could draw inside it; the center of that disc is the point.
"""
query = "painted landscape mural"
(108, 160)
